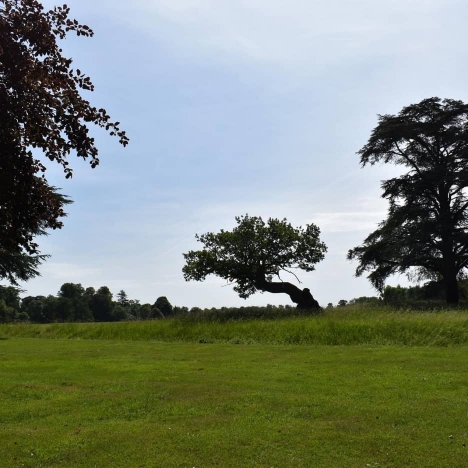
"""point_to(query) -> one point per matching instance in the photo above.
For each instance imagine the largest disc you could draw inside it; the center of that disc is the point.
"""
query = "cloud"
(347, 221)
(294, 32)
(61, 271)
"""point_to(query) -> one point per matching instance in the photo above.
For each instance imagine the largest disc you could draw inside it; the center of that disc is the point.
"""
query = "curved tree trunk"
(302, 297)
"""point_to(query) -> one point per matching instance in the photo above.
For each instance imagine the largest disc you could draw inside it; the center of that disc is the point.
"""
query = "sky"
(250, 107)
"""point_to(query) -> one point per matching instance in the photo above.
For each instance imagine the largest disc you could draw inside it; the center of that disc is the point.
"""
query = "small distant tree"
(164, 306)
(105, 291)
(34, 308)
(366, 300)
(120, 313)
(71, 291)
(133, 309)
(82, 312)
(65, 310)
(254, 253)
(122, 297)
(342, 303)
(180, 310)
(7, 314)
(145, 312)
(156, 313)
(89, 292)
(101, 305)
(10, 295)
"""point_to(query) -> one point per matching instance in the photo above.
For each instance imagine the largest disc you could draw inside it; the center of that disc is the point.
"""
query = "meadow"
(359, 388)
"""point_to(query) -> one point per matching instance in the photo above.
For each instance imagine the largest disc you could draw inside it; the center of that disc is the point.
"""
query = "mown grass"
(349, 326)
(390, 392)
(83, 403)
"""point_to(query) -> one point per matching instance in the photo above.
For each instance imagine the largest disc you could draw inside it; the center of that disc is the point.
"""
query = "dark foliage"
(255, 252)
(226, 314)
(425, 233)
(163, 306)
(41, 111)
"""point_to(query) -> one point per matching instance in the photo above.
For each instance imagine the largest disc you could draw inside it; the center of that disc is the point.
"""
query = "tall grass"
(347, 326)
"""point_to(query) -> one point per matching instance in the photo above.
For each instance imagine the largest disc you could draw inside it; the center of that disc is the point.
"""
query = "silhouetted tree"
(10, 295)
(71, 291)
(101, 305)
(122, 297)
(19, 262)
(254, 252)
(7, 314)
(145, 312)
(425, 232)
(40, 109)
(164, 306)
(65, 311)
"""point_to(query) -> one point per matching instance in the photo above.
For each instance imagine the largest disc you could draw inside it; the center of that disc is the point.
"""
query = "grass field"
(119, 403)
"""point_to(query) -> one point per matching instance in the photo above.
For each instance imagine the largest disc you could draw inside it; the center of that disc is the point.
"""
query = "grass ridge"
(350, 326)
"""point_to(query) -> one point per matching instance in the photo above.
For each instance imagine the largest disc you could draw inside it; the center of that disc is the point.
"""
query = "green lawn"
(80, 403)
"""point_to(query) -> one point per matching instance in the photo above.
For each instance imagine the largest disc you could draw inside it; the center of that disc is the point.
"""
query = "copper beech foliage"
(41, 110)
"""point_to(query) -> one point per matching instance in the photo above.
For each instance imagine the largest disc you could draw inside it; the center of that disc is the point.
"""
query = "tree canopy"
(41, 112)
(425, 232)
(254, 253)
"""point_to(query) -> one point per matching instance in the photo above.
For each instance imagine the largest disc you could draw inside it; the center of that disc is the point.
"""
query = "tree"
(82, 311)
(41, 110)
(76, 307)
(34, 308)
(65, 309)
(89, 292)
(9, 303)
(122, 297)
(255, 252)
(366, 301)
(425, 232)
(10, 295)
(7, 313)
(101, 305)
(71, 291)
(105, 291)
(164, 306)
(120, 312)
(18, 260)
(42, 309)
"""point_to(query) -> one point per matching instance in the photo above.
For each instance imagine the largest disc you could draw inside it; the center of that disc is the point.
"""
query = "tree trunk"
(449, 268)
(302, 297)
(451, 287)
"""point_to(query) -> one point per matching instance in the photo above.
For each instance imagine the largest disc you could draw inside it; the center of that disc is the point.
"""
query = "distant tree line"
(74, 303)
(428, 295)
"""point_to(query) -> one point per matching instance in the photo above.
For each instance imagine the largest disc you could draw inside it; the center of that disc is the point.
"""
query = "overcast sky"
(236, 107)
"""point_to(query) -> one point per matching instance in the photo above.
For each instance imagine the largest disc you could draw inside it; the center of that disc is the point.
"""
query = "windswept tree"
(425, 233)
(254, 253)
(41, 112)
